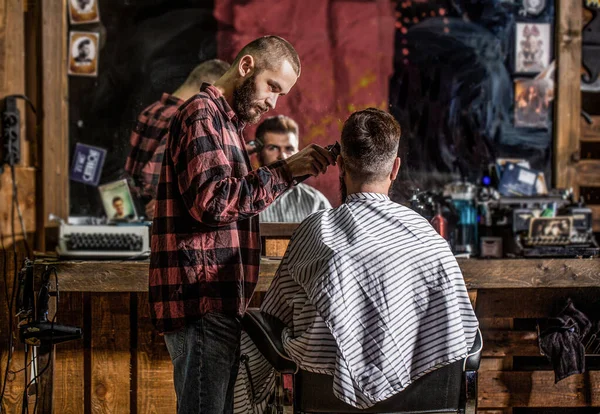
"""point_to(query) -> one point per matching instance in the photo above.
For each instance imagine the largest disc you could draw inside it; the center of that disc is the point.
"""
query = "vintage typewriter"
(527, 233)
(104, 241)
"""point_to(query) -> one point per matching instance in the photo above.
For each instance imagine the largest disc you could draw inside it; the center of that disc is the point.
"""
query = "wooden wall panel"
(568, 92)
(534, 303)
(12, 81)
(502, 343)
(68, 389)
(13, 397)
(498, 389)
(110, 354)
(25, 177)
(155, 389)
(591, 132)
(53, 178)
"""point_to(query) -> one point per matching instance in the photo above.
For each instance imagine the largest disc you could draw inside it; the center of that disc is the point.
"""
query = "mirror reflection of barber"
(149, 135)
(277, 139)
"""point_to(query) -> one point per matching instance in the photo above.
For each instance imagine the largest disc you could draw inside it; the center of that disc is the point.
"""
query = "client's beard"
(343, 190)
(243, 96)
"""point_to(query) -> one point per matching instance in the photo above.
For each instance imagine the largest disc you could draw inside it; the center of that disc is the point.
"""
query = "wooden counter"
(131, 276)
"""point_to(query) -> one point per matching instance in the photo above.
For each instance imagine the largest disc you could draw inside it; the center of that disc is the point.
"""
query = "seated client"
(369, 292)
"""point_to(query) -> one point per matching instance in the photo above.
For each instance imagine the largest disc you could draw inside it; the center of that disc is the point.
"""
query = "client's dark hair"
(370, 140)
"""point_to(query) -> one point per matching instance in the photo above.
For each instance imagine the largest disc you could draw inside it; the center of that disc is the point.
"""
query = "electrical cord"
(11, 305)
(24, 408)
(39, 374)
(11, 372)
(5, 270)
(26, 99)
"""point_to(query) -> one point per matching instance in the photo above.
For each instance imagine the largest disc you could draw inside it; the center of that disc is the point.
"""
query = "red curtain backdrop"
(346, 51)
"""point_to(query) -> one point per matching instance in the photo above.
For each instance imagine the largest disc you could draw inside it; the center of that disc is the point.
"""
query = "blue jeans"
(206, 357)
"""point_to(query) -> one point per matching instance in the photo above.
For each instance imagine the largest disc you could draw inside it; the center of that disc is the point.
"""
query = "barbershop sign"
(87, 164)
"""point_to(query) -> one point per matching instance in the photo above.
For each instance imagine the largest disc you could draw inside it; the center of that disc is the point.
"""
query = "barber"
(205, 235)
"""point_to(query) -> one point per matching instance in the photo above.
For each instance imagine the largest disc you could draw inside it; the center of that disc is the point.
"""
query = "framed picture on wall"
(532, 7)
(533, 44)
(533, 98)
(83, 53)
(83, 11)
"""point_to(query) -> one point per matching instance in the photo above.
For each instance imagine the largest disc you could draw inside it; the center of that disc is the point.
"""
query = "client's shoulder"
(312, 222)
(409, 216)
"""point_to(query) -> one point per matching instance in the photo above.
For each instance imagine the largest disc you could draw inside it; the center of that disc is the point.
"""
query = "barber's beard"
(243, 97)
(343, 190)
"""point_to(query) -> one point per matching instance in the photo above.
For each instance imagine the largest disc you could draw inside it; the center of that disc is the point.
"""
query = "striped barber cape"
(373, 296)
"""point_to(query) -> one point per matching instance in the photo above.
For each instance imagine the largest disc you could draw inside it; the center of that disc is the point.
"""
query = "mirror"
(445, 69)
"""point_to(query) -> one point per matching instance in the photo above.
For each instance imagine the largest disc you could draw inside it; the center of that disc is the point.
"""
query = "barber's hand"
(251, 147)
(312, 160)
(150, 209)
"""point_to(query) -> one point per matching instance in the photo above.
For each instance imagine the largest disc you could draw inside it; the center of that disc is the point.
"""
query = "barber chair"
(449, 389)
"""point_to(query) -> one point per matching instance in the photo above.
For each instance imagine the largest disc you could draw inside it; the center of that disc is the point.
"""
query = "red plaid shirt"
(149, 131)
(205, 234)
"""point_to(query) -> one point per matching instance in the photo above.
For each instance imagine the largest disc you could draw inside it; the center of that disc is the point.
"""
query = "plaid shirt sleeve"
(151, 172)
(149, 131)
(203, 158)
(143, 142)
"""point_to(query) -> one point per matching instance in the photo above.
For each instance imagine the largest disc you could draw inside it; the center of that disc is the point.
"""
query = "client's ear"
(395, 168)
(340, 163)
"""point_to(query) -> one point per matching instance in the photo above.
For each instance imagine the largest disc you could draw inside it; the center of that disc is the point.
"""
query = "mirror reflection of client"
(149, 134)
(276, 140)
(119, 207)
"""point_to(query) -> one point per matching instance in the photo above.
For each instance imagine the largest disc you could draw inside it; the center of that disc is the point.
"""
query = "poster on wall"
(532, 48)
(83, 53)
(87, 164)
(83, 11)
(533, 98)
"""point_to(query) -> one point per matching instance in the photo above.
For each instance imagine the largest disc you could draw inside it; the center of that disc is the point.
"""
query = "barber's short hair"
(117, 198)
(370, 140)
(209, 71)
(270, 51)
(83, 43)
(279, 124)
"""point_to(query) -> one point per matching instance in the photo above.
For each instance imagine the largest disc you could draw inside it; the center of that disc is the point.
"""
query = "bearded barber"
(205, 235)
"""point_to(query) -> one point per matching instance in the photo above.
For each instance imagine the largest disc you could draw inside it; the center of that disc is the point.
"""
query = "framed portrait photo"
(83, 53)
(533, 98)
(550, 228)
(83, 11)
(117, 201)
(533, 45)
